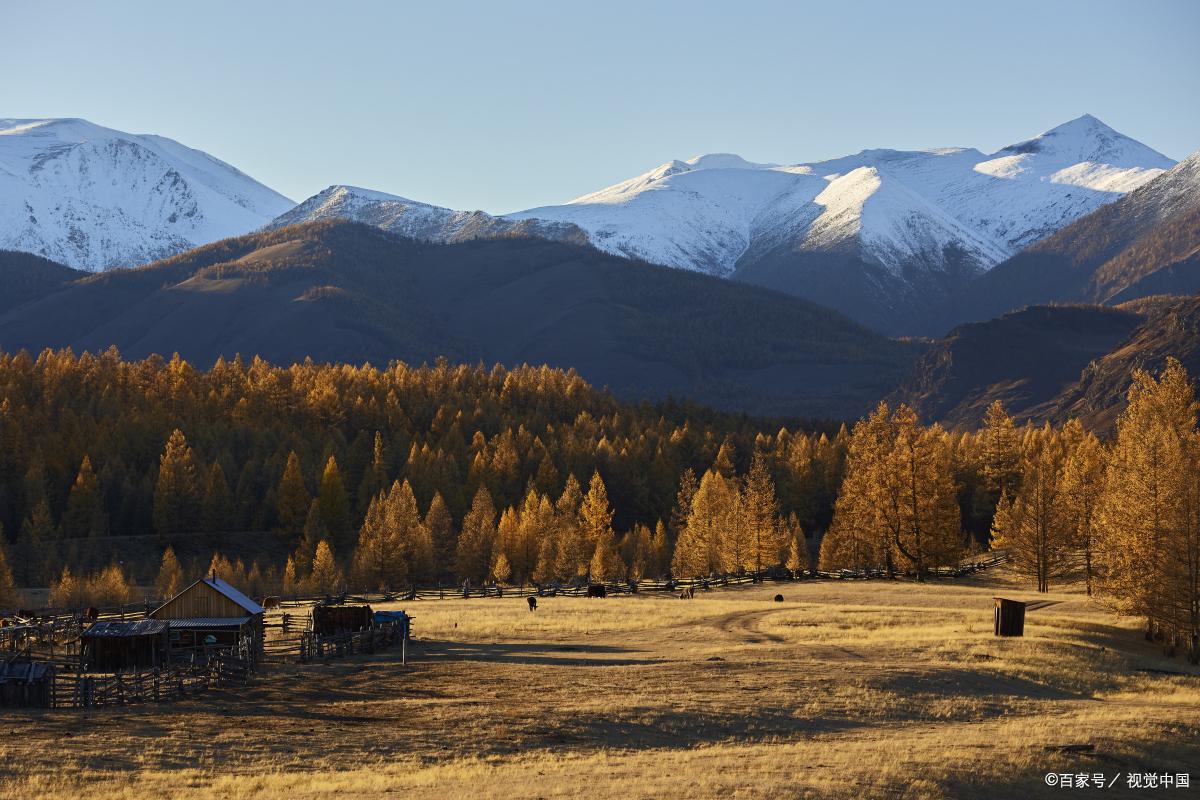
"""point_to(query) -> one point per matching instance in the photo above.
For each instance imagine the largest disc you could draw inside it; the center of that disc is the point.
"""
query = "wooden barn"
(212, 614)
(116, 646)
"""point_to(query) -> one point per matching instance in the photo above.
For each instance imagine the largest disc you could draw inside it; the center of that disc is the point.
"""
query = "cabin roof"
(224, 588)
(233, 594)
(120, 628)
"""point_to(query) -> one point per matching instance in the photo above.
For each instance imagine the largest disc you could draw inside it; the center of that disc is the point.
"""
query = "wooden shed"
(115, 645)
(213, 614)
(1010, 617)
(26, 684)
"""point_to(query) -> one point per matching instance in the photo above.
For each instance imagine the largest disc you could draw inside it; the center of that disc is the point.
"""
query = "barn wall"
(200, 600)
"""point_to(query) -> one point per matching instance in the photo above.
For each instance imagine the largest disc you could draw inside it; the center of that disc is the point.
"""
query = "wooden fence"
(158, 685)
(346, 643)
(423, 593)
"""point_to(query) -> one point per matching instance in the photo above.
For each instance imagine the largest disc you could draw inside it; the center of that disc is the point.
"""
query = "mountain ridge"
(880, 235)
(347, 292)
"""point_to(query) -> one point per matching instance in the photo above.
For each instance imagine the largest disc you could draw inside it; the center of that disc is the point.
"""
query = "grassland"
(845, 689)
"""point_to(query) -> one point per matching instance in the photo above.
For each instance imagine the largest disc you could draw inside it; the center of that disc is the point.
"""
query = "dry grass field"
(847, 689)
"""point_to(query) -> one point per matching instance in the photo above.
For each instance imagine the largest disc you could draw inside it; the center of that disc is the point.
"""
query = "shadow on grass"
(572, 655)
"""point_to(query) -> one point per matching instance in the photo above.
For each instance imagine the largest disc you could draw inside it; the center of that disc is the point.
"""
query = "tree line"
(379, 478)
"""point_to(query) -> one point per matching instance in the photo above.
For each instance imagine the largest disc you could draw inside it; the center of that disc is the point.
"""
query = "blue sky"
(503, 106)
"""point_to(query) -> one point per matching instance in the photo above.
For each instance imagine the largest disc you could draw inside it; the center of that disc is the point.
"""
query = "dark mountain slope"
(339, 291)
(1052, 362)
(866, 292)
(1023, 359)
(24, 277)
(1171, 329)
(1144, 244)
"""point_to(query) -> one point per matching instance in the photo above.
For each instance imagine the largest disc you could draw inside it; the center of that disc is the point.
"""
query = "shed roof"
(116, 628)
(208, 622)
(27, 671)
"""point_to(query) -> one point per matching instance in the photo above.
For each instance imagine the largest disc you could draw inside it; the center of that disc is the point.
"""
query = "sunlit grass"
(877, 689)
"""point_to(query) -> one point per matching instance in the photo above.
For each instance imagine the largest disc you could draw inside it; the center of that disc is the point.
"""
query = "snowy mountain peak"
(416, 220)
(1087, 139)
(712, 161)
(388, 211)
(93, 197)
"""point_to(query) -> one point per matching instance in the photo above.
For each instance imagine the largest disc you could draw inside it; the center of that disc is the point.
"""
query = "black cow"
(596, 590)
(533, 604)
(778, 598)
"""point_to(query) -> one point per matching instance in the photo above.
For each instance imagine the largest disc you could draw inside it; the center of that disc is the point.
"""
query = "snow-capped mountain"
(876, 234)
(1146, 243)
(93, 198)
(417, 220)
(894, 208)
(882, 235)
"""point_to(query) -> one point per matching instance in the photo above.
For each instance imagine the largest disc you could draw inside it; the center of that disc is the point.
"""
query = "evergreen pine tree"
(1033, 526)
(760, 515)
(501, 571)
(292, 498)
(1082, 486)
(177, 492)
(326, 576)
(217, 506)
(473, 557)
(85, 515)
(335, 504)
(169, 581)
(441, 533)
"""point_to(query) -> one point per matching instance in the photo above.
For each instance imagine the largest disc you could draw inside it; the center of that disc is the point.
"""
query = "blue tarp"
(400, 617)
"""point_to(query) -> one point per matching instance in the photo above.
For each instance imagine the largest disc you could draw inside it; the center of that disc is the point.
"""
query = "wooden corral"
(328, 620)
(116, 646)
(26, 684)
(212, 614)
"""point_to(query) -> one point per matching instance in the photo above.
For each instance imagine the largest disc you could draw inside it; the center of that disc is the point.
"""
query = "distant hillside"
(1052, 362)
(337, 291)
(24, 277)
(1171, 329)
(1147, 243)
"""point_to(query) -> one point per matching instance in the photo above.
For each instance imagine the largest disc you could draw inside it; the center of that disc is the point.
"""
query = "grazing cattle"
(688, 593)
(92, 613)
(271, 602)
(596, 590)
(533, 604)
(778, 598)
